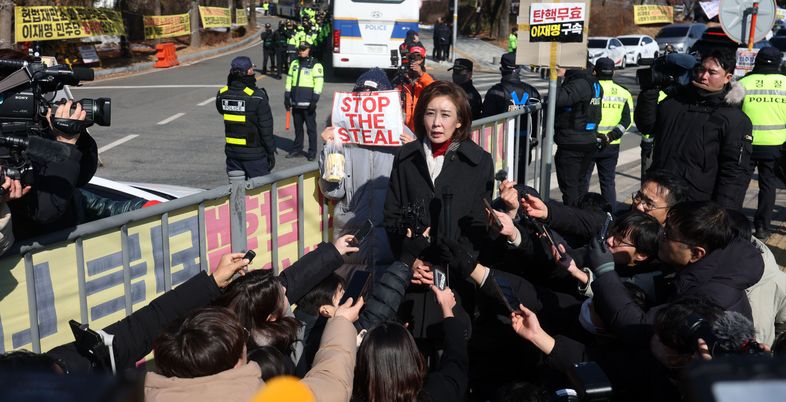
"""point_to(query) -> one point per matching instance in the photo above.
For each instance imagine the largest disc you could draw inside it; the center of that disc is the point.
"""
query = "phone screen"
(356, 286)
(490, 210)
(509, 297)
(605, 229)
(363, 232)
(440, 278)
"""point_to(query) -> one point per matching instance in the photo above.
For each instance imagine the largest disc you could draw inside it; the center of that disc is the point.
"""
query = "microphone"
(447, 199)
(39, 149)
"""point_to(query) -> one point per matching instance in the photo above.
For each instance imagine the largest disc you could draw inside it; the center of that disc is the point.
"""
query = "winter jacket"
(360, 196)
(234, 385)
(768, 296)
(578, 111)
(411, 94)
(450, 381)
(309, 270)
(721, 277)
(98, 207)
(702, 137)
(248, 121)
(499, 98)
(330, 379)
(442, 34)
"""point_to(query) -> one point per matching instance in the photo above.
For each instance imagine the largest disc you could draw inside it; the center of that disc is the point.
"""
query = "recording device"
(495, 219)
(95, 346)
(605, 229)
(731, 334)
(508, 296)
(17, 150)
(356, 286)
(249, 255)
(501, 175)
(403, 74)
(23, 92)
(440, 278)
(674, 69)
(360, 235)
(412, 216)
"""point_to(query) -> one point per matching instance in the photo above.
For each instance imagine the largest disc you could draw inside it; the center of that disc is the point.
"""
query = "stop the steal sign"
(368, 118)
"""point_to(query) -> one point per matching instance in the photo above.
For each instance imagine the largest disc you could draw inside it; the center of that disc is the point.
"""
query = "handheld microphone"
(39, 149)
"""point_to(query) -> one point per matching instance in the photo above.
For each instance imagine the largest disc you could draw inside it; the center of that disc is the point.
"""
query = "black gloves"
(412, 248)
(602, 140)
(287, 101)
(457, 256)
(271, 161)
(314, 99)
(600, 259)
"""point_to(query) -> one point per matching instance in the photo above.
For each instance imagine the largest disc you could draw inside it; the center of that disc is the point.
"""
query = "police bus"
(287, 8)
(366, 31)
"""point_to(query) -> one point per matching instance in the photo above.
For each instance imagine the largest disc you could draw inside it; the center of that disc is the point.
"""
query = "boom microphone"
(39, 149)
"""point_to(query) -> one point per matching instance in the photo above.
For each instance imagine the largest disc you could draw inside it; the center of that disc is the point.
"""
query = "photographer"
(699, 131)
(55, 202)
(411, 86)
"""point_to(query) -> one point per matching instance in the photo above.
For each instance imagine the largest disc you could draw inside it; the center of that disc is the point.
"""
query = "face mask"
(460, 77)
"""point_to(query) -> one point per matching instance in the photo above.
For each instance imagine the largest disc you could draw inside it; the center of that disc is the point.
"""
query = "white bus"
(365, 31)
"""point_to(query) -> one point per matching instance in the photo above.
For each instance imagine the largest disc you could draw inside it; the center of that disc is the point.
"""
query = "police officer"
(292, 42)
(248, 122)
(765, 105)
(301, 94)
(578, 106)
(280, 46)
(268, 50)
(616, 117)
(462, 76)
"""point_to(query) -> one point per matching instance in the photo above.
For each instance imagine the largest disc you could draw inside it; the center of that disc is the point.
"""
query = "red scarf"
(440, 149)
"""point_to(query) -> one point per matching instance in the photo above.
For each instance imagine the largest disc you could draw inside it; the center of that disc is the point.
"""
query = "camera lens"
(98, 110)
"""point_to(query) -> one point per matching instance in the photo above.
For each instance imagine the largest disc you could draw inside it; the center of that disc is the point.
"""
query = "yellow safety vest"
(613, 103)
(303, 81)
(765, 105)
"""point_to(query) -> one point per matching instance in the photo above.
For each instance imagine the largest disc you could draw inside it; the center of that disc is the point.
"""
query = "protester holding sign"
(360, 186)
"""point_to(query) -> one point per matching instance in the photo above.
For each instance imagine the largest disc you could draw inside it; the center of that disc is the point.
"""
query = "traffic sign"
(736, 17)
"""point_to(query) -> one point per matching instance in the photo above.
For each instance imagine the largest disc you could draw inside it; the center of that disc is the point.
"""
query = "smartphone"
(360, 235)
(89, 344)
(509, 297)
(440, 278)
(249, 255)
(356, 286)
(605, 229)
(487, 205)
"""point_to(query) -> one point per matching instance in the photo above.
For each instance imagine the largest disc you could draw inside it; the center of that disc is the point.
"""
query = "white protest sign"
(711, 8)
(368, 118)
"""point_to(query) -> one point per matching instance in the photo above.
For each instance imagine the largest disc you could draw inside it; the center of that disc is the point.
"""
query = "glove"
(412, 248)
(312, 106)
(457, 257)
(603, 140)
(287, 101)
(271, 161)
(600, 259)
(314, 99)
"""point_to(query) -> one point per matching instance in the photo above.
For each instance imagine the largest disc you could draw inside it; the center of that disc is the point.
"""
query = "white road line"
(205, 102)
(170, 119)
(145, 86)
(111, 145)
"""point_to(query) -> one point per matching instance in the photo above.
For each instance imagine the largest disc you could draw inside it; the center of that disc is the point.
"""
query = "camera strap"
(70, 126)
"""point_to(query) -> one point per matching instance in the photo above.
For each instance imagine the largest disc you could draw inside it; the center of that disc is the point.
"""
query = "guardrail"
(102, 271)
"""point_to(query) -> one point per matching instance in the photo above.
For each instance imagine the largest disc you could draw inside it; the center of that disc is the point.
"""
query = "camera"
(669, 70)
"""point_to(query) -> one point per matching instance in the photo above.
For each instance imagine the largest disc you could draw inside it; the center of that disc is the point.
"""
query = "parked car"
(123, 191)
(602, 46)
(680, 36)
(638, 48)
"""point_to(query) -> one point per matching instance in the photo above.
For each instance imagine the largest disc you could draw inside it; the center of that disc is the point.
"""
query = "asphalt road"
(165, 128)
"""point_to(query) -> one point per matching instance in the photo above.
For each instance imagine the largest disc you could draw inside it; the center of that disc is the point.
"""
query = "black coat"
(578, 107)
(475, 100)
(450, 381)
(703, 138)
(442, 34)
(498, 98)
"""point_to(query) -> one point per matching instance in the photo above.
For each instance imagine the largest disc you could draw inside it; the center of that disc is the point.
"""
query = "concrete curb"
(134, 68)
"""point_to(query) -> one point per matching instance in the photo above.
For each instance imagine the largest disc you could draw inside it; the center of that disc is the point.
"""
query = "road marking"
(111, 145)
(146, 86)
(205, 102)
(170, 119)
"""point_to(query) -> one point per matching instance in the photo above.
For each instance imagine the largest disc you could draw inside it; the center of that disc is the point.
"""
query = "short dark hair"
(642, 229)
(320, 295)
(676, 185)
(701, 223)
(25, 360)
(726, 58)
(671, 321)
(593, 202)
(459, 98)
(272, 363)
(741, 226)
(207, 342)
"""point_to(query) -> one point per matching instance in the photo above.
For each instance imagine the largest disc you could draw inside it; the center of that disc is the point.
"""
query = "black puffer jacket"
(702, 137)
(578, 111)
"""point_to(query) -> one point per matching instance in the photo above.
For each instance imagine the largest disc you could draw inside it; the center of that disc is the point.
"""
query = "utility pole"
(195, 40)
(252, 13)
(6, 19)
(455, 30)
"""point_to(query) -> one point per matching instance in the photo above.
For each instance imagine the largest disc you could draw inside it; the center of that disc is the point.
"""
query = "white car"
(123, 191)
(612, 48)
(638, 48)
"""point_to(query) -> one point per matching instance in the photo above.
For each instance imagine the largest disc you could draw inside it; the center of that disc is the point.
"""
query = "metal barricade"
(102, 271)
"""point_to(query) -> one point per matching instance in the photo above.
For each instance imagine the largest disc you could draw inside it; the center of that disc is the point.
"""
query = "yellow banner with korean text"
(39, 23)
(215, 17)
(241, 17)
(167, 26)
(653, 14)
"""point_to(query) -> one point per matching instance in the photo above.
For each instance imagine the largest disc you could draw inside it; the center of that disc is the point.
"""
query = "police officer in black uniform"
(462, 76)
(579, 102)
(268, 50)
(248, 122)
(280, 46)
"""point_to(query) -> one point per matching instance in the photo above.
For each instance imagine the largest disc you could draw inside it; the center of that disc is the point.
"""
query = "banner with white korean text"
(372, 118)
(651, 14)
(215, 17)
(41, 23)
(557, 22)
(167, 26)
(241, 17)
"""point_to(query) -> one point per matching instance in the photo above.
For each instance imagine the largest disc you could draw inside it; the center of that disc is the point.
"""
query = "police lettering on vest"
(765, 105)
(615, 97)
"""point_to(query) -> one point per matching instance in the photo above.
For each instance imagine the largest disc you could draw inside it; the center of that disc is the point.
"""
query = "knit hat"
(374, 79)
(768, 56)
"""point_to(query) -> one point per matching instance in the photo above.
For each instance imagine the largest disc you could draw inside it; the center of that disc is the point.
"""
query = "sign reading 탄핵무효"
(556, 22)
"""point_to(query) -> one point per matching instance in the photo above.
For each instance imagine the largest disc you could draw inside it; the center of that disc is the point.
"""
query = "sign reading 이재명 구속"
(372, 118)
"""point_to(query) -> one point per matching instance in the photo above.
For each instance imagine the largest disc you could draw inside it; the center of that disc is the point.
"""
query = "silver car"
(680, 36)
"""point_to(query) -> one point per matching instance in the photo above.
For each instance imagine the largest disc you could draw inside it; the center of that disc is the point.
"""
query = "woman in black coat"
(443, 167)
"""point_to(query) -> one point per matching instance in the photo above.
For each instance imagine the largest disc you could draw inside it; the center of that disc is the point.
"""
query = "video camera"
(674, 69)
(402, 74)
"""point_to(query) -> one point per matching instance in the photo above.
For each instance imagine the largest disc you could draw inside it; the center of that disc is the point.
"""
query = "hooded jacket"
(702, 137)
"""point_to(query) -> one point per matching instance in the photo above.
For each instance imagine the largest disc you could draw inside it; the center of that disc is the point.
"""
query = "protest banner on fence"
(368, 118)
(745, 61)
(556, 22)
(38, 23)
(241, 17)
(167, 26)
(652, 14)
(215, 17)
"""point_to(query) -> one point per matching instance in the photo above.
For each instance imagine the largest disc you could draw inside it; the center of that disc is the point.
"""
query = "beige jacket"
(768, 297)
(234, 385)
(330, 377)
